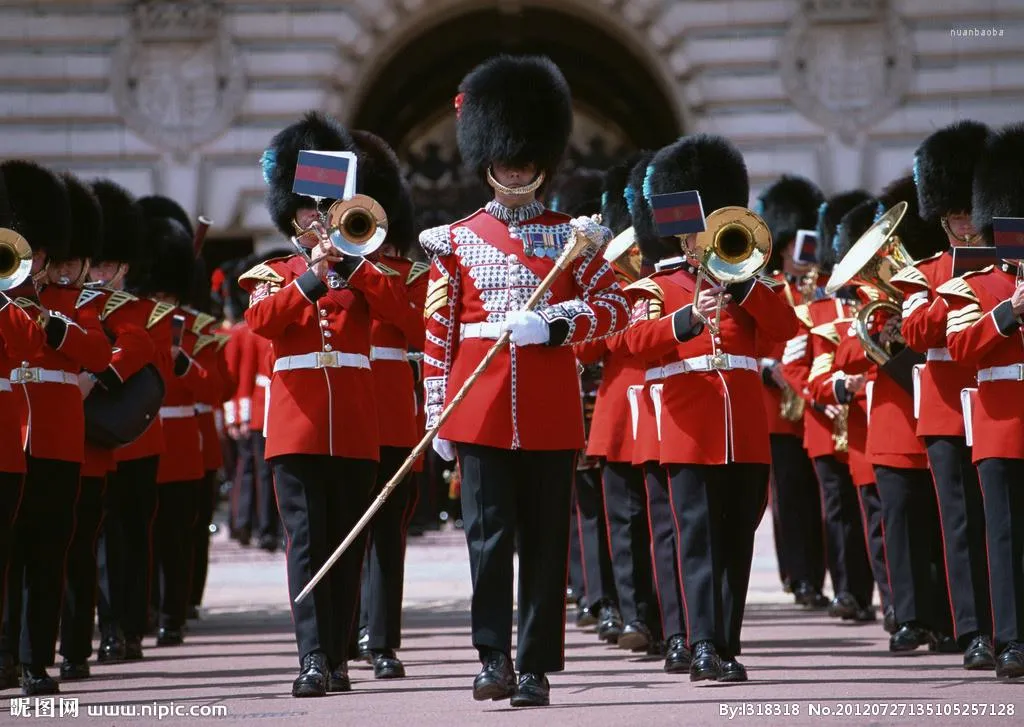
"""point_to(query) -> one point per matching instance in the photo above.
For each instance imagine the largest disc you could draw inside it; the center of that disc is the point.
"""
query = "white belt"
(655, 374)
(42, 376)
(1013, 372)
(204, 409)
(5, 384)
(939, 354)
(481, 330)
(388, 354)
(721, 362)
(177, 412)
(263, 381)
(322, 360)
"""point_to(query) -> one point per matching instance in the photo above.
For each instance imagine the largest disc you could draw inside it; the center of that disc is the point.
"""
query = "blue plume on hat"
(267, 162)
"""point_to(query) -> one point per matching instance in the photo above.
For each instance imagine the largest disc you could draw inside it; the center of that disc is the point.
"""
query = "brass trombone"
(15, 259)
(356, 227)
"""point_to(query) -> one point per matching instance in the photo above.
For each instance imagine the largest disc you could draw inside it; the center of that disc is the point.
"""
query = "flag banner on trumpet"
(1008, 235)
(325, 174)
(678, 213)
(805, 250)
(967, 259)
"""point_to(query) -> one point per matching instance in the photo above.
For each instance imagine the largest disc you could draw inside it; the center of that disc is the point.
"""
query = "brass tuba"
(357, 226)
(15, 259)
(871, 262)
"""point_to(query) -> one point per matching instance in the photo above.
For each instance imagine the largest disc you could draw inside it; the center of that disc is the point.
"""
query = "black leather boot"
(312, 679)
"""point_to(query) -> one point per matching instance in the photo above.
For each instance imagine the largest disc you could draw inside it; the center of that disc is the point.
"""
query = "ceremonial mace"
(570, 253)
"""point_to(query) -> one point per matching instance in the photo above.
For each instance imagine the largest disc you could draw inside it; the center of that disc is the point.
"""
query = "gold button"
(327, 347)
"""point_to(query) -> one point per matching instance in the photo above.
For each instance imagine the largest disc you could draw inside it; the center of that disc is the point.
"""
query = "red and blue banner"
(1008, 235)
(678, 213)
(805, 251)
(967, 259)
(325, 175)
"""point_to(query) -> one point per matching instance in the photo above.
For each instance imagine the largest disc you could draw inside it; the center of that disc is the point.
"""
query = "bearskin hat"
(999, 180)
(830, 215)
(157, 205)
(516, 111)
(614, 210)
(652, 247)
(709, 164)
(787, 205)
(317, 132)
(40, 208)
(578, 193)
(170, 267)
(124, 225)
(944, 168)
(87, 225)
(379, 175)
(921, 238)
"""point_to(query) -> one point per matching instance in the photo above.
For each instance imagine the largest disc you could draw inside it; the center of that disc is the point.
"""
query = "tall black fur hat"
(652, 246)
(830, 215)
(710, 164)
(944, 168)
(156, 205)
(317, 132)
(87, 224)
(124, 224)
(922, 238)
(578, 193)
(999, 180)
(787, 205)
(614, 210)
(514, 110)
(170, 267)
(39, 205)
(379, 175)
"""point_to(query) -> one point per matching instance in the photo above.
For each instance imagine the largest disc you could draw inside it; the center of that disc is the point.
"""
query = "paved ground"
(241, 657)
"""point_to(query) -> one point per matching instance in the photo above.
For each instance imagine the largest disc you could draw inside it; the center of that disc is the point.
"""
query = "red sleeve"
(189, 371)
(970, 333)
(22, 336)
(246, 376)
(775, 317)
(924, 313)
(386, 295)
(274, 305)
(82, 340)
(440, 311)
(133, 347)
(592, 352)
(600, 309)
(409, 315)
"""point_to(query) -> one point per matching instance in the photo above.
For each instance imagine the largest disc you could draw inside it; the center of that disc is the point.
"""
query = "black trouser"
(79, 610)
(664, 553)
(384, 569)
(268, 518)
(844, 534)
(716, 509)
(177, 505)
(245, 496)
(796, 502)
(10, 499)
(598, 578)
(518, 498)
(125, 553)
(629, 538)
(321, 499)
(913, 547)
(1002, 481)
(874, 537)
(35, 584)
(577, 580)
(962, 518)
(206, 503)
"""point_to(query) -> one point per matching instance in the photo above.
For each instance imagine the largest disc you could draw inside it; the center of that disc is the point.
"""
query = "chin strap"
(514, 191)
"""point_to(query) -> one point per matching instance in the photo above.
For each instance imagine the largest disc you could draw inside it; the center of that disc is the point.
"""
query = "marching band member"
(983, 331)
(717, 464)
(943, 172)
(518, 430)
(54, 433)
(316, 312)
(788, 205)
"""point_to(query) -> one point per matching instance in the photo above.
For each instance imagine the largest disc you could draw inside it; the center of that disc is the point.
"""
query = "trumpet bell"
(15, 259)
(876, 256)
(358, 226)
(735, 246)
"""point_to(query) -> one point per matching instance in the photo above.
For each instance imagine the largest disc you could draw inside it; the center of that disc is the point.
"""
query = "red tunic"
(771, 354)
(706, 415)
(327, 409)
(156, 320)
(982, 332)
(262, 356)
(55, 423)
(529, 397)
(209, 353)
(20, 338)
(611, 430)
(924, 328)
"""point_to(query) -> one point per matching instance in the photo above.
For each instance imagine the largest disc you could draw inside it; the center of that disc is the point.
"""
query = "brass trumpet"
(15, 259)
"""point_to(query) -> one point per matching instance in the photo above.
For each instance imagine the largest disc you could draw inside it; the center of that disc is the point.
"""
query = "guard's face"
(306, 217)
(960, 230)
(108, 273)
(514, 176)
(67, 272)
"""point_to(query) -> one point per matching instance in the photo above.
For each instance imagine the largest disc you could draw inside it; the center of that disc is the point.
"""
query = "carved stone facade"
(181, 96)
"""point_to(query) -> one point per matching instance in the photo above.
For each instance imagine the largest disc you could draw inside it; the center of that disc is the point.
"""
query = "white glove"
(597, 234)
(445, 449)
(526, 327)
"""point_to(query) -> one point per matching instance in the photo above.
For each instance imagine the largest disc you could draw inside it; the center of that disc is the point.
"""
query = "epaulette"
(386, 270)
(262, 273)
(117, 299)
(416, 271)
(27, 304)
(648, 286)
(911, 276)
(822, 364)
(959, 288)
(828, 332)
(201, 322)
(437, 240)
(87, 296)
(221, 339)
(769, 282)
(160, 311)
(202, 342)
(803, 312)
(869, 292)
